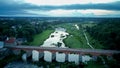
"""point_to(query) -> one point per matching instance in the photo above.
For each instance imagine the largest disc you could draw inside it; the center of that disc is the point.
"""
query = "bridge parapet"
(95, 52)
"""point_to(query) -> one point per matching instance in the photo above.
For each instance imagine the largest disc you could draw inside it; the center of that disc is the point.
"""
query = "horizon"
(51, 17)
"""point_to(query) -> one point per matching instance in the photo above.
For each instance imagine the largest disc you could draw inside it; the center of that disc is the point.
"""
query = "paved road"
(65, 50)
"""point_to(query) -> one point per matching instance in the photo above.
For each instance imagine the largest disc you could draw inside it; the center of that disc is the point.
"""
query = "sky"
(60, 8)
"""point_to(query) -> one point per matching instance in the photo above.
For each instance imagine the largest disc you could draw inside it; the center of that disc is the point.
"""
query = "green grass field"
(76, 38)
(40, 38)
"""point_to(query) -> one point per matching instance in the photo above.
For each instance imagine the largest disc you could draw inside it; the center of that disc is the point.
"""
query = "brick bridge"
(94, 52)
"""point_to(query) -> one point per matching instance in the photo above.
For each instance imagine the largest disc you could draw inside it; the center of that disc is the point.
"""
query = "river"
(57, 37)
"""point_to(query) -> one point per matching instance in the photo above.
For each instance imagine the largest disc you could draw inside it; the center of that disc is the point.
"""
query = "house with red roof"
(10, 41)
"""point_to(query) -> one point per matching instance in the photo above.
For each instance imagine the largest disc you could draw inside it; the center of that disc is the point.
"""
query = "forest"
(21, 28)
(107, 32)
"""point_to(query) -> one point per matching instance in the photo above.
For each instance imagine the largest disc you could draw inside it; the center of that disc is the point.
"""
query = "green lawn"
(40, 38)
(74, 42)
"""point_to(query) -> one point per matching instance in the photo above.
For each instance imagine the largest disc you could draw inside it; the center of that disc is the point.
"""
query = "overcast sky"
(60, 8)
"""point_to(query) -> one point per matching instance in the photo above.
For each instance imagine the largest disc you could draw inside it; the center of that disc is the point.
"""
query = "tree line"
(107, 32)
(21, 28)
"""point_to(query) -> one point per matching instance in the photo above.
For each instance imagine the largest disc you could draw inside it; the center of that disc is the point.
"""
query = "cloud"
(107, 6)
(77, 13)
(65, 2)
(18, 7)
(25, 6)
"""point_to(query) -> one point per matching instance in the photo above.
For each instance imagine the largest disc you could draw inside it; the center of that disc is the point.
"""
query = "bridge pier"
(35, 55)
(47, 56)
(26, 54)
(61, 53)
(73, 58)
(60, 57)
(24, 57)
(86, 58)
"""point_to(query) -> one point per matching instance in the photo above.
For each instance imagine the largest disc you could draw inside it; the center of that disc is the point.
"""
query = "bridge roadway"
(64, 50)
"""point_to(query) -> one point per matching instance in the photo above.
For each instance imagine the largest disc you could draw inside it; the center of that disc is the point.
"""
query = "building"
(19, 41)
(10, 41)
